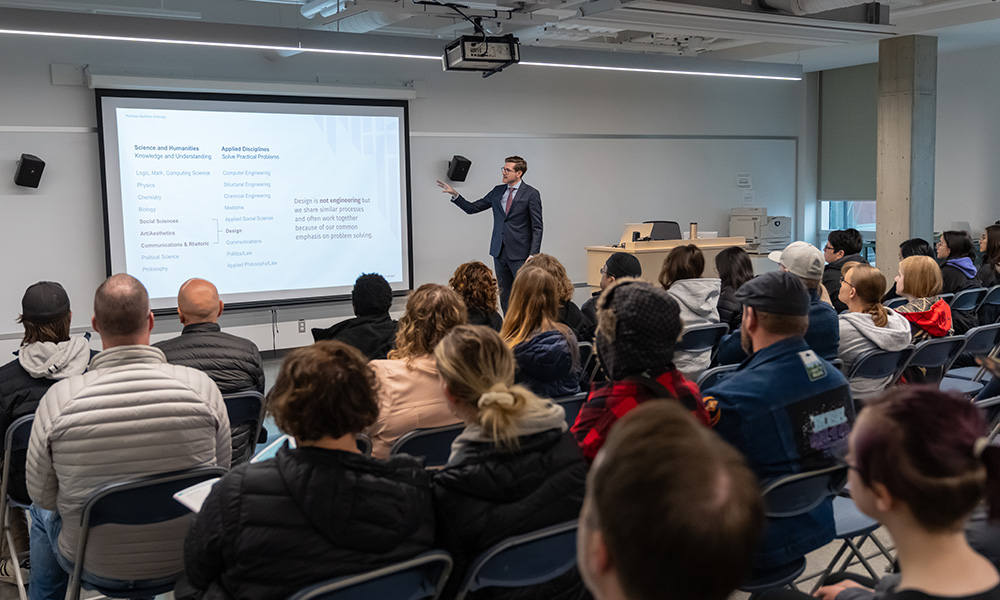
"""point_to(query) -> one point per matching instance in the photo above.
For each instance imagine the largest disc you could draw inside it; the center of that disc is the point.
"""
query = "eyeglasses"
(828, 247)
(506, 170)
(604, 270)
(844, 280)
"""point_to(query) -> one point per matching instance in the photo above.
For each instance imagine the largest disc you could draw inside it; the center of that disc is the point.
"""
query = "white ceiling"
(722, 29)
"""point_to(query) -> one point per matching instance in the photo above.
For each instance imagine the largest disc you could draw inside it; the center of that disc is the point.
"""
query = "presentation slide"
(272, 200)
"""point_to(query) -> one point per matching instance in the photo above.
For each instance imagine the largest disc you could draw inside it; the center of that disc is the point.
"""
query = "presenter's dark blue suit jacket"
(519, 232)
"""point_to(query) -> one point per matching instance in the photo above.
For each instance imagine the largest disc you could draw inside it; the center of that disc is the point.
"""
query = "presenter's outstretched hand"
(447, 188)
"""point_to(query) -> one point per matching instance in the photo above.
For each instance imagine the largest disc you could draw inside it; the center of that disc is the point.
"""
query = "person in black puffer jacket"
(546, 351)
(735, 269)
(320, 511)
(371, 330)
(514, 469)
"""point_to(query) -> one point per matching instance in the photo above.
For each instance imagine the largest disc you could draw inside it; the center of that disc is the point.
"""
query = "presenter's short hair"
(326, 389)
(678, 508)
(371, 295)
(519, 163)
(121, 306)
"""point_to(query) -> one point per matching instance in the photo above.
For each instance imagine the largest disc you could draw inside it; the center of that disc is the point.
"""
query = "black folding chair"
(714, 375)
(881, 364)
(895, 302)
(936, 355)
(969, 300)
(572, 405)
(420, 578)
(699, 338)
(15, 452)
(246, 417)
(432, 443)
(136, 502)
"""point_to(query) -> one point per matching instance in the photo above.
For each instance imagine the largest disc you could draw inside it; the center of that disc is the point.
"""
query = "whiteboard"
(590, 185)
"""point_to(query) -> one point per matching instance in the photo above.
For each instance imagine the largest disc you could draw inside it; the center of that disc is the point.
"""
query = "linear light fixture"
(247, 46)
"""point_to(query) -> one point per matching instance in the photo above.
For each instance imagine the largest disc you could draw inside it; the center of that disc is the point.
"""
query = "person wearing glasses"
(517, 221)
(842, 247)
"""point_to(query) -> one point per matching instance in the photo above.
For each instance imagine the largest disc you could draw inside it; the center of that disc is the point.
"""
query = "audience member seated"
(989, 270)
(911, 247)
(671, 511)
(823, 336)
(638, 327)
(371, 330)
(735, 269)
(409, 393)
(842, 247)
(919, 281)
(477, 286)
(513, 470)
(920, 466)
(958, 272)
(867, 325)
(546, 351)
(130, 415)
(321, 510)
(786, 409)
(697, 297)
(232, 362)
(619, 264)
(48, 354)
(569, 314)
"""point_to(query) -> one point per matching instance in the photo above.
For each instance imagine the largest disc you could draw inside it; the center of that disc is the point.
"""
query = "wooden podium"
(651, 255)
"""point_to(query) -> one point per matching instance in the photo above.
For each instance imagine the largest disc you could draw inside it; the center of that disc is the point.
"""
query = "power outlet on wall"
(302, 325)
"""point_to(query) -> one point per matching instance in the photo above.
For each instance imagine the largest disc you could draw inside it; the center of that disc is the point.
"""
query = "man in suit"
(517, 221)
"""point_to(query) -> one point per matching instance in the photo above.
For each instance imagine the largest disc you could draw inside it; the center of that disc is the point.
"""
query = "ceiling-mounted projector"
(481, 53)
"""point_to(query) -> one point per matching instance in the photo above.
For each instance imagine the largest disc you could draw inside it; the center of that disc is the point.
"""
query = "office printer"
(763, 234)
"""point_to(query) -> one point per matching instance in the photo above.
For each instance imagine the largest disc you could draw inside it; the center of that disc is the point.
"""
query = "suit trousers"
(505, 270)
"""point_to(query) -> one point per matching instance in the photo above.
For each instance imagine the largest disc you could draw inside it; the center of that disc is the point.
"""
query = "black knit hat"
(622, 264)
(638, 327)
(44, 302)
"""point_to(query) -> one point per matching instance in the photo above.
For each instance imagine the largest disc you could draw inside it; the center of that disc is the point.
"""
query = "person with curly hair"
(570, 314)
(477, 286)
(318, 511)
(410, 395)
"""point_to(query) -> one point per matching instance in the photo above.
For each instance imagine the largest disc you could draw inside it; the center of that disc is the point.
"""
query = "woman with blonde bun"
(513, 470)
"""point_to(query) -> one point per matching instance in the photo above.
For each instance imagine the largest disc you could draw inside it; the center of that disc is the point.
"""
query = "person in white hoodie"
(867, 325)
(698, 298)
(47, 355)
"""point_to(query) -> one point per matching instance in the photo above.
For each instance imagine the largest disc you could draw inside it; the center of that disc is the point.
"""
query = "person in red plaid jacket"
(637, 330)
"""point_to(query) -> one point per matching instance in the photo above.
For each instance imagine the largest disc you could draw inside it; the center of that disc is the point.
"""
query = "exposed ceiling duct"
(811, 7)
(367, 21)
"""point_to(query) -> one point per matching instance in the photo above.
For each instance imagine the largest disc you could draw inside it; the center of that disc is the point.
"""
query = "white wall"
(967, 180)
(526, 103)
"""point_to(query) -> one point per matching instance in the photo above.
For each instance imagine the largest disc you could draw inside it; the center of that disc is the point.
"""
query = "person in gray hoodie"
(698, 298)
(867, 325)
(47, 355)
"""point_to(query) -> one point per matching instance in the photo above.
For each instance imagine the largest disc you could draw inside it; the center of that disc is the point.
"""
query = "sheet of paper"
(194, 496)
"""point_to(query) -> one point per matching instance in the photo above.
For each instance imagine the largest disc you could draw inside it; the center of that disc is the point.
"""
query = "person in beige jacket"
(130, 415)
(409, 390)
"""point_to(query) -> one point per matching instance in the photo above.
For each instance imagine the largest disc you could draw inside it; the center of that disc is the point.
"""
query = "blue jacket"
(823, 335)
(787, 411)
(545, 365)
(519, 232)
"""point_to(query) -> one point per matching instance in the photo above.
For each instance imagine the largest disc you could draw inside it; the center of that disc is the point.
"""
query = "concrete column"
(907, 115)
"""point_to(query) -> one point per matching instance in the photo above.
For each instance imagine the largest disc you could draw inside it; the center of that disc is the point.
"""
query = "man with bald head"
(129, 415)
(232, 362)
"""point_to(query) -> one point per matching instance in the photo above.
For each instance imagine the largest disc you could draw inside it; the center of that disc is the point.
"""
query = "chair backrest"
(895, 302)
(699, 338)
(937, 352)
(364, 443)
(571, 404)
(982, 340)
(797, 494)
(432, 443)
(714, 375)
(992, 296)
(586, 352)
(947, 297)
(969, 299)
(665, 230)
(524, 560)
(15, 451)
(879, 364)
(141, 501)
(419, 578)
(246, 417)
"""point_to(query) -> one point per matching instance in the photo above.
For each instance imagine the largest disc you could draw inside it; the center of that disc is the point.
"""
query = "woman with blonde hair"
(546, 351)
(570, 314)
(513, 470)
(867, 325)
(919, 281)
(409, 394)
(477, 286)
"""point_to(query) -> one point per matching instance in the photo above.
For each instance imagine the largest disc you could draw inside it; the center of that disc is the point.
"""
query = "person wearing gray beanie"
(638, 325)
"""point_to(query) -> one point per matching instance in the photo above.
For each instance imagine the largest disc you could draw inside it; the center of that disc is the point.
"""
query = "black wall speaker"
(458, 168)
(29, 171)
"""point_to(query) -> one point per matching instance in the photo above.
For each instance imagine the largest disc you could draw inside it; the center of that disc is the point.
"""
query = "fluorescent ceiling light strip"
(660, 71)
(118, 38)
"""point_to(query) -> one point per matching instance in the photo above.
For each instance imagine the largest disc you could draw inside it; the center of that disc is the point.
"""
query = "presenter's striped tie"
(510, 199)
